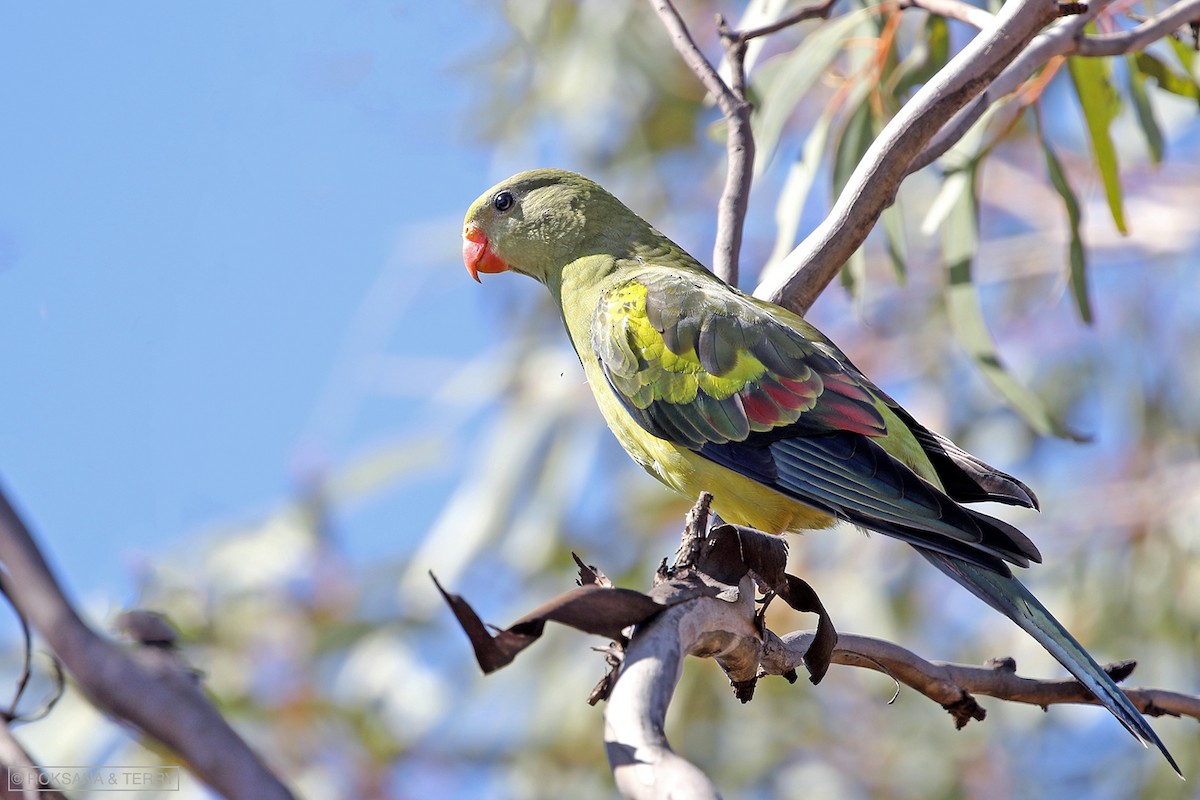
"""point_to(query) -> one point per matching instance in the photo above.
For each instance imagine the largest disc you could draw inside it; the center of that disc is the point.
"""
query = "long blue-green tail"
(1010, 597)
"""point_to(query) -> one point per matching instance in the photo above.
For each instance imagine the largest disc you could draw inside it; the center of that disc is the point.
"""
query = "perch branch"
(646, 768)
(133, 684)
(950, 684)
(643, 763)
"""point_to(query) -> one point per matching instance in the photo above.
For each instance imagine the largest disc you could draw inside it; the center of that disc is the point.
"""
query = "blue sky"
(195, 209)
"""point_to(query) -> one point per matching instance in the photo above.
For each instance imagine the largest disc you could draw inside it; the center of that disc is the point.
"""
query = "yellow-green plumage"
(712, 390)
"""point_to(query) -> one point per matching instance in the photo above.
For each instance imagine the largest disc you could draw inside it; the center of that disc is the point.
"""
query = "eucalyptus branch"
(952, 685)
(1066, 39)
(644, 765)
(133, 684)
(1142, 36)
(739, 142)
(816, 11)
(646, 768)
(731, 99)
(872, 187)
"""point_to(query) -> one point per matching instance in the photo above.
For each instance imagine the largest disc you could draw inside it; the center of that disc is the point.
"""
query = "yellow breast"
(736, 498)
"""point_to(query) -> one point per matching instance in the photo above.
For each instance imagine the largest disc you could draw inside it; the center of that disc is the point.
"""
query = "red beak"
(478, 254)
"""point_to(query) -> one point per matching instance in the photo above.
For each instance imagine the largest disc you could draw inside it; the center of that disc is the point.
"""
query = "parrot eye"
(503, 201)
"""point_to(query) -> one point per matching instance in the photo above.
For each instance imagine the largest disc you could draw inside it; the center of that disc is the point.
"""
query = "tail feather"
(1010, 597)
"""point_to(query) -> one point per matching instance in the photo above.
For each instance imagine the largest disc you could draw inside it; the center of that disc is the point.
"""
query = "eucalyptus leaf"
(796, 188)
(1136, 82)
(1058, 177)
(1185, 54)
(1100, 105)
(960, 241)
(784, 81)
(857, 136)
(929, 55)
(1167, 79)
(896, 246)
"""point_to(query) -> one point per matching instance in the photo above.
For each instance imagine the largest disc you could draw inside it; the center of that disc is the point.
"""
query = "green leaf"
(1058, 177)
(1136, 81)
(928, 56)
(1167, 79)
(893, 226)
(856, 137)
(960, 240)
(1100, 105)
(1185, 54)
(796, 188)
(897, 248)
(854, 272)
(783, 82)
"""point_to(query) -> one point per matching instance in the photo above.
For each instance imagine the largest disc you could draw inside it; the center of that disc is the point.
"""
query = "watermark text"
(95, 779)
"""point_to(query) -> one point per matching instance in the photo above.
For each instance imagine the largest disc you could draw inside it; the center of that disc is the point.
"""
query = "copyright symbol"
(15, 778)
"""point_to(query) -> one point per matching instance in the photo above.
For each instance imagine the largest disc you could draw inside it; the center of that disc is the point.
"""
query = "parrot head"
(536, 222)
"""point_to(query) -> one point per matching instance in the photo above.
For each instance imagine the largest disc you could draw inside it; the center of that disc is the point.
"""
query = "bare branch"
(804, 273)
(739, 142)
(646, 768)
(950, 684)
(731, 98)
(134, 684)
(643, 763)
(31, 783)
(1065, 39)
(816, 11)
(1142, 36)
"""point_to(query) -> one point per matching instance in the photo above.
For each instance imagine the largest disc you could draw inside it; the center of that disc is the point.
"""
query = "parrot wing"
(760, 392)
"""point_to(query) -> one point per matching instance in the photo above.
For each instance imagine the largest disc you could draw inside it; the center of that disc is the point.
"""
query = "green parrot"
(710, 389)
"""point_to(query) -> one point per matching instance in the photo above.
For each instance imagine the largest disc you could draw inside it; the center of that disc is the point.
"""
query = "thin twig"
(816, 11)
(26, 659)
(739, 143)
(1142, 36)
(731, 99)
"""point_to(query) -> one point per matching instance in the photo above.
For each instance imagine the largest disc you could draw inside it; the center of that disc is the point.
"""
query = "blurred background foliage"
(353, 680)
